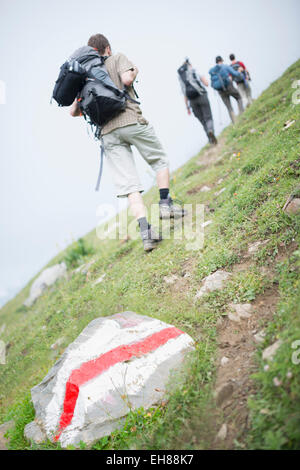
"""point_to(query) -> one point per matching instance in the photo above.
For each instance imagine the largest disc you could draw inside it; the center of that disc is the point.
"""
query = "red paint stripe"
(91, 369)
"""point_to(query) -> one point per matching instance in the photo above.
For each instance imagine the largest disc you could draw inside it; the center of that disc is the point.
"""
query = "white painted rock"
(48, 277)
(116, 364)
(213, 282)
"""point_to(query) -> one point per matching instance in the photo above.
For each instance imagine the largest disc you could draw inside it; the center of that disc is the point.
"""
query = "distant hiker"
(242, 83)
(129, 128)
(222, 82)
(195, 97)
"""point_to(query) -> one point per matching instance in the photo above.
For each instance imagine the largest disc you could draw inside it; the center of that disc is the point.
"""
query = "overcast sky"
(48, 163)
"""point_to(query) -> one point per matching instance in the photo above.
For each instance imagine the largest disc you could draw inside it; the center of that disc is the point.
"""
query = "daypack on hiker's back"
(219, 77)
(100, 99)
(72, 77)
(236, 67)
(84, 76)
(193, 88)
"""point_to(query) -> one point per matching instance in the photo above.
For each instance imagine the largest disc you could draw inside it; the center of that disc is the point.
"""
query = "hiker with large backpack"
(243, 84)
(195, 97)
(221, 80)
(126, 127)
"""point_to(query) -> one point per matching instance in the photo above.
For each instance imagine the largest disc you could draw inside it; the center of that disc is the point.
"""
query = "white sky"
(48, 163)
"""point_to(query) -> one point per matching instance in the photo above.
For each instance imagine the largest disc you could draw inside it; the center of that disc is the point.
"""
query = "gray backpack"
(100, 99)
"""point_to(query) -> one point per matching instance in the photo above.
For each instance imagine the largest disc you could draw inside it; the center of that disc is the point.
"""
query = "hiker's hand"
(75, 110)
(188, 111)
(129, 76)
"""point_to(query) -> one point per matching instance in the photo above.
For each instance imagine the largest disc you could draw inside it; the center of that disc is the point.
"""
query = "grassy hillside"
(258, 163)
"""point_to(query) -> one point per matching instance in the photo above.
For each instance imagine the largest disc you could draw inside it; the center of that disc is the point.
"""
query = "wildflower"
(277, 382)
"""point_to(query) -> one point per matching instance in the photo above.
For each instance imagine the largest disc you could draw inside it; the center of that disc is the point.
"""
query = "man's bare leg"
(136, 205)
(163, 178)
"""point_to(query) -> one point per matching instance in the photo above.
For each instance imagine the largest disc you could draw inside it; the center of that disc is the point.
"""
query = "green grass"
(77, 253)
(259, 170)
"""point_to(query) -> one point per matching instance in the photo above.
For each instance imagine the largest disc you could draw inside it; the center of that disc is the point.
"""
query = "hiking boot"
(167, 210)
(212, 138)
(150, 239)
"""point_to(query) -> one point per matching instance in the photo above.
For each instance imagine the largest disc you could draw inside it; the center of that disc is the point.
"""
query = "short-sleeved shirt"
(116, 65)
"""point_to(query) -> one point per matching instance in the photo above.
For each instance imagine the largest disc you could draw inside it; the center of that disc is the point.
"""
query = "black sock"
(163, 193)
(143, 223)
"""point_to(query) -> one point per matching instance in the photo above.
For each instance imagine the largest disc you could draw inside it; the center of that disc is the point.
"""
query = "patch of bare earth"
(237, 344)
(212, 155)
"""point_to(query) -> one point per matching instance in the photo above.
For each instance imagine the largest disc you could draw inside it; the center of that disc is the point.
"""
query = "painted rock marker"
(116, 364)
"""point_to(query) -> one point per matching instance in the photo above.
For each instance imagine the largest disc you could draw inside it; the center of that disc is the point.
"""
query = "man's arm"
(182, 85)
(75, 110)
(129, 76)
(204, 80)
(187, 105)
(233, 72)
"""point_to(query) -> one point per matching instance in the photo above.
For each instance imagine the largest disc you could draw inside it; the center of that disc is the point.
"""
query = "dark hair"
(99, 42)
(219, 59)
(232, 57)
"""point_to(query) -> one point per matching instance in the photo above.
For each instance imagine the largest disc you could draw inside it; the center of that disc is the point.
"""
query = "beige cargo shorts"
(120, 159)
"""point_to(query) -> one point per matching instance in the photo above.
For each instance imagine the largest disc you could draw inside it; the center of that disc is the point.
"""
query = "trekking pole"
(219, 108)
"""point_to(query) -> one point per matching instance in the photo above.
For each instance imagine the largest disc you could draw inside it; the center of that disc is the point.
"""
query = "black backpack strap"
(222, 82)
(199, 83)
(128, 97)
(134, 90)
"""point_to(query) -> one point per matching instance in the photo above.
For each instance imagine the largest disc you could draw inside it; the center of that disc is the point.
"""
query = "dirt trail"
(237, 342)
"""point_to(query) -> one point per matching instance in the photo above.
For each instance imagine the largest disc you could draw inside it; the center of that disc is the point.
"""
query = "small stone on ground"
(221, 436)
(33, 432)
(213, 282)
(269, 353)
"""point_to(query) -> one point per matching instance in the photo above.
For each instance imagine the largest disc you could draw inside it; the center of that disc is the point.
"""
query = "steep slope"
(249, 174)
